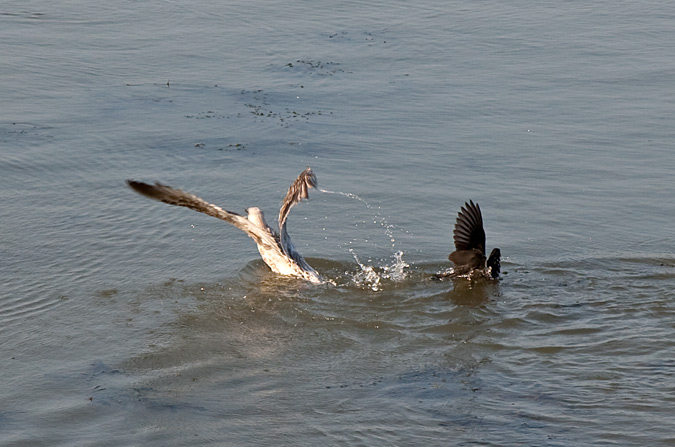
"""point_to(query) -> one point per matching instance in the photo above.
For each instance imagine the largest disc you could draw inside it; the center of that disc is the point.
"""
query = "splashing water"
(371, 276)
(367, 276)
(396, 271)
(378, 218)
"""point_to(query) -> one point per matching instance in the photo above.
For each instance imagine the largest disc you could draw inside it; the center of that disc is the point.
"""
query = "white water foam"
(371, 276)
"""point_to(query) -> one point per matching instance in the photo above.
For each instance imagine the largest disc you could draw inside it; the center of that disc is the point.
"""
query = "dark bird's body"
(469, 255)
(276, 248)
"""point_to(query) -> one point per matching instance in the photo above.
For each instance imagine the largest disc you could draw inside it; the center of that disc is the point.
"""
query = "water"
(128, 322)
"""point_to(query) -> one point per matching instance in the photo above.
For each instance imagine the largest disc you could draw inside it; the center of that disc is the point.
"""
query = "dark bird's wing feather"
(177, 197)
(469, 233)
(494, 263)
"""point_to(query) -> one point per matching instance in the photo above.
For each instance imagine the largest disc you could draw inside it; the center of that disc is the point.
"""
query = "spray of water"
(371, 276)
(367, 276)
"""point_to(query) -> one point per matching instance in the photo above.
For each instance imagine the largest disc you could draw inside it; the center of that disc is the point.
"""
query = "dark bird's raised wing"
(469, 233)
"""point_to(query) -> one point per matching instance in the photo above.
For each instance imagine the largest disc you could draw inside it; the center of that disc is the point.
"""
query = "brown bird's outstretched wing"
(469, 233)
(177, 197)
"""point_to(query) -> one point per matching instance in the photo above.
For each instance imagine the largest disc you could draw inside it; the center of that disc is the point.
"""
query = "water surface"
(128, 322)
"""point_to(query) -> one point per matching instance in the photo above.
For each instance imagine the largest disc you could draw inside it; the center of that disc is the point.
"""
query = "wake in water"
(371, 276)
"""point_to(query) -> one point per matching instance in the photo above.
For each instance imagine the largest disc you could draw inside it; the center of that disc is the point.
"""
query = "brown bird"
(469, 255)
(276, 248)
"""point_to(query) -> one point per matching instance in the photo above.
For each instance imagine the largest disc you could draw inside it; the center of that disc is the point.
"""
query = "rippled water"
(128, 322)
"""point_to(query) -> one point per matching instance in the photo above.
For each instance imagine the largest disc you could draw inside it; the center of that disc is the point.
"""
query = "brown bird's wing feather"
(298, 191)
(177, 197)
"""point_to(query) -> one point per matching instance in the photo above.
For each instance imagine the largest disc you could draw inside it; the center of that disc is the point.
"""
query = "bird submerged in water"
(469, 255)
(276, 248)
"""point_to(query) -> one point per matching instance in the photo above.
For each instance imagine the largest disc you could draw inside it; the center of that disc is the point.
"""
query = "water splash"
(371, 276)
(397, 270)
(377, 219)
(367, 276)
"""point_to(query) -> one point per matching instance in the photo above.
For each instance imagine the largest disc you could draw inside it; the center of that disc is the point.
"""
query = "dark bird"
(276, 248)
(469, 255)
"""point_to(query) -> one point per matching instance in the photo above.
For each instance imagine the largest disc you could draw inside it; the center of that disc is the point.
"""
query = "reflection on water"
(472, 293)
